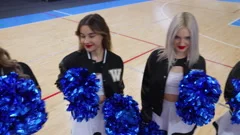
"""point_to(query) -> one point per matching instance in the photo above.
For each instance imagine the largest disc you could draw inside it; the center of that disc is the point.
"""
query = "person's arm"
(146, 112)
(234, 74)
(201, 64)
(62, 69)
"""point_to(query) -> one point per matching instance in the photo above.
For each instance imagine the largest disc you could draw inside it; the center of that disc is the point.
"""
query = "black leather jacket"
(154, 80)
(26, 70)
(112, 63)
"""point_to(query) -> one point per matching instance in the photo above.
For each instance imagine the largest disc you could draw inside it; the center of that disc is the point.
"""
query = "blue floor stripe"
(26, 19)
(230, 0)
(236, 23)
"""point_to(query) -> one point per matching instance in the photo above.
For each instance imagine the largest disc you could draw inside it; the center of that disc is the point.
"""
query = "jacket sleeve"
(62, 69)
(201, 64)
(234, 74)
(146, 112)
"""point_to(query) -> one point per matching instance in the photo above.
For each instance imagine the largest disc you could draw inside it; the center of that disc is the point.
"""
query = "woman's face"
(182, 41)
(89, 39)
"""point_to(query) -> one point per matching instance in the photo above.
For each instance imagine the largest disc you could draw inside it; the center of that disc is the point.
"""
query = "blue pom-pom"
(151, 128)
(121, 115)
(22, 111)
(198, 94)
(80, 88)
(234, 102)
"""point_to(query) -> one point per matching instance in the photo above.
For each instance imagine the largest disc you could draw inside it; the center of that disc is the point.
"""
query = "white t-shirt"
(101, 90)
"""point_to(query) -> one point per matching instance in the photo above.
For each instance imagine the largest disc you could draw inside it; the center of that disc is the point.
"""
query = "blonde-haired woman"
(165, 69)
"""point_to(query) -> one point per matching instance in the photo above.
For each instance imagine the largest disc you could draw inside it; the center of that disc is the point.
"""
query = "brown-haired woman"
(8, 65)
(95, 54)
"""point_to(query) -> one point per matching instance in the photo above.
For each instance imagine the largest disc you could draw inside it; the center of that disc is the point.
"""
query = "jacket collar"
(104, 56)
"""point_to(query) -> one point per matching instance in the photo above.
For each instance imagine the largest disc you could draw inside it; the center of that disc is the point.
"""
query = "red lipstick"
(181, 47)
(88, 46)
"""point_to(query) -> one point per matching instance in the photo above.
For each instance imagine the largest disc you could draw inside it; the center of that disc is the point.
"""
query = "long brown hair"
(7, 62)
(98, 25)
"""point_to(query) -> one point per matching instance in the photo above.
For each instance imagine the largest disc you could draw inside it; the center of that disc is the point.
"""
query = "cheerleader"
(8, 65)
(95, 54)
(223, 125)
(165, 69)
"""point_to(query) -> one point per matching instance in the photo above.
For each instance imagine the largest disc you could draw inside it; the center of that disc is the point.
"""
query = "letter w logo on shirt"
(116, 74)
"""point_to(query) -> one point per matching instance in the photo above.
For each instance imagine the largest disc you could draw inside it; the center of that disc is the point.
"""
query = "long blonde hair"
(181, 20)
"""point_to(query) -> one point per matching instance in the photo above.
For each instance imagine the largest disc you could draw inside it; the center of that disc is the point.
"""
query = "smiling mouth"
(181, 47)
